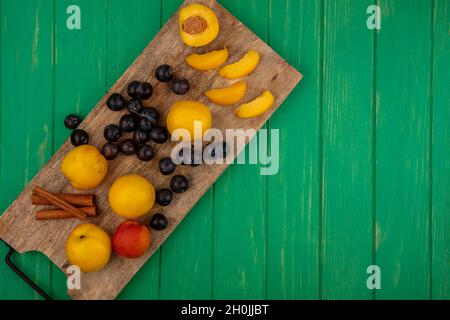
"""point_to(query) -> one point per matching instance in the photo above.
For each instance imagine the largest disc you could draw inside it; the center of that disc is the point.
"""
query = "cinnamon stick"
(55, 214)
(60, 203)
(78, 200)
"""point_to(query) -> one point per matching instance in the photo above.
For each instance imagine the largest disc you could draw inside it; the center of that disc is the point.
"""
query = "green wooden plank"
(240, 209)
(191, 243)
(169, 8)
(132, 25)
(293, 225)
(347, 228)
(403, 145)
(26, 119)
(80, 78)
(440, 153)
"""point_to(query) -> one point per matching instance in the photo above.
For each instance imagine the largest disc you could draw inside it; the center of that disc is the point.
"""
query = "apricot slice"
(208, 61)
(199, 25)
(257, 107)
(241, 68)
(229, 95)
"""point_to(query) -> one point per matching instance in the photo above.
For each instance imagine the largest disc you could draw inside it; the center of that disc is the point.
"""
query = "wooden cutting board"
(18, 226)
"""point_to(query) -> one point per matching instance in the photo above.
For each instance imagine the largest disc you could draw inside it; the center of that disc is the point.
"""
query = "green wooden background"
(365, 143)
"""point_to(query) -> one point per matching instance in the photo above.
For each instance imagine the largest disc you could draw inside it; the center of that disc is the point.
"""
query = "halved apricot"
(241, 68)
(229, 95)
(257, 107)
(208, 61)
(199, 25)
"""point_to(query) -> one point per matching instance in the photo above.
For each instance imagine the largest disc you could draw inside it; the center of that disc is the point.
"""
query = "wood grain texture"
(347, 177)
(25, 133)
(403, 148)
(294, 193)
(273, 74)
(440, 204)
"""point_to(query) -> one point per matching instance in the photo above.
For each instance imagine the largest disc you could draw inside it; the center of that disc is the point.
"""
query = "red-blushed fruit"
(131, 239)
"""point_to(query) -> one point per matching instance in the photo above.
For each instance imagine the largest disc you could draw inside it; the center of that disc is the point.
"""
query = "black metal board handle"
(22, 275)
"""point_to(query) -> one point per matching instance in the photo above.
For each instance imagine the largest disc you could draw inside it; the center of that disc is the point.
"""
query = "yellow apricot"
(199, 25)
(241, 68)
(208, 61)
(85, 167)
(131, 196)
(229, 95)
(257, 107)
(187, 115)
(88, 247)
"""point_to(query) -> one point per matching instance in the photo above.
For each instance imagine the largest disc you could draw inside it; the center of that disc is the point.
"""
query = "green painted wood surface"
(364, 148)
(294, 194)
(346, 164)
(440, 151)
(26, 60)
(403, 146)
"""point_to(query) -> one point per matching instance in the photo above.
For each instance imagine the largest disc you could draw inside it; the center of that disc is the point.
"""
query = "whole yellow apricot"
(198, 25)
(131, 196)
(185, 115)
(88, 247)
(85, 167)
